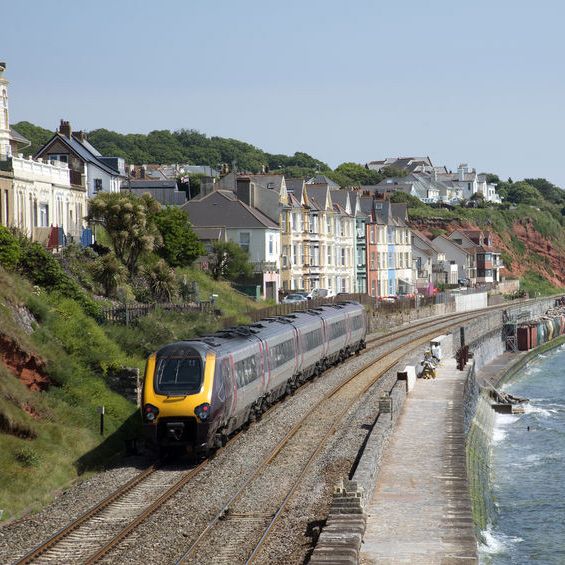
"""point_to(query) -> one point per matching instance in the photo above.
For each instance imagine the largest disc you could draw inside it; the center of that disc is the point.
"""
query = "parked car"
(292, 298)
(321, 293)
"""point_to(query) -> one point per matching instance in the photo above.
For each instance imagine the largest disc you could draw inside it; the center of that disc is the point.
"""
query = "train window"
(357, 322)
(313, 339)
(337, 329)
(247, 371)
(282, 353)
(178, 375)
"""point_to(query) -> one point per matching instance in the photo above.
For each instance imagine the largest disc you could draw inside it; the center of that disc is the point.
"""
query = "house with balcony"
(487, 259)
(298, 222)
(224, 213)
(430, 265)
(36, 196)
(335, 235)
(456, 254)
(389, 250)
(88, 169)
(345, 238)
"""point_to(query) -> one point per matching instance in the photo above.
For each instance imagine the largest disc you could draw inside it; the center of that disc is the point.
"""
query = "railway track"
(94, 534)
(241, 528)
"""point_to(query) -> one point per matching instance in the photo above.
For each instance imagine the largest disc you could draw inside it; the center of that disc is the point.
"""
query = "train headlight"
(150, 412)
(203, 411)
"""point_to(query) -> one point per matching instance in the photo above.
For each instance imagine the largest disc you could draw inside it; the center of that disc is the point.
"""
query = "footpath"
(420, 511)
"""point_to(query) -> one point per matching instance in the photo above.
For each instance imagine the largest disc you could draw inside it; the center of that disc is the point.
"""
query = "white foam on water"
(502, 421)
(532, 409)
(496, 542)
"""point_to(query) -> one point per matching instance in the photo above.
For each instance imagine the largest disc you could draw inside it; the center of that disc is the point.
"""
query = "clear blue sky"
(478, 81)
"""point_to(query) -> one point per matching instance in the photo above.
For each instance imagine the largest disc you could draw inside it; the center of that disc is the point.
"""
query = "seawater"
(528, 470)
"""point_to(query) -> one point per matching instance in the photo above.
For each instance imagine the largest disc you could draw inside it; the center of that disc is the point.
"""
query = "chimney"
(65, 129)
(461, 170)
(80, 135)
(244, 190)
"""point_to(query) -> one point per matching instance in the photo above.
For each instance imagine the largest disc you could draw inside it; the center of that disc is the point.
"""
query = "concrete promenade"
(421, 510)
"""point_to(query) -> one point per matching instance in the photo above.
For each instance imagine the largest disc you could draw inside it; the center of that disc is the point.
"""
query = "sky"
(478, 82)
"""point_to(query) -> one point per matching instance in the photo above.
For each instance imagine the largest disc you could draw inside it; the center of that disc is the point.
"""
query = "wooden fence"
(393, 307)
(127, 314)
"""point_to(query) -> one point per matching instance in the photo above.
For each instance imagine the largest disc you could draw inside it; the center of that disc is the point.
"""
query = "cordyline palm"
(128, 222)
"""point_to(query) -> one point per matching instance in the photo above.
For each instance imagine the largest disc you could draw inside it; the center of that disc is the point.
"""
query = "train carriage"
(198, 392)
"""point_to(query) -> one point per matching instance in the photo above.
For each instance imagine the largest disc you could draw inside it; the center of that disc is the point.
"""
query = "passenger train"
(197, 393)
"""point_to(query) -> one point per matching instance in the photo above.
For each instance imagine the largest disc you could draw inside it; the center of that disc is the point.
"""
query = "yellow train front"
(180, 407)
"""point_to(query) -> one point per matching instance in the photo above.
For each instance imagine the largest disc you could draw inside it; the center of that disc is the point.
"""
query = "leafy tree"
(180, 245)
(9, 249)
(161, 281)
(522, 193)
(110, 273)
(229, 261)
(549, 191)
(128, 221)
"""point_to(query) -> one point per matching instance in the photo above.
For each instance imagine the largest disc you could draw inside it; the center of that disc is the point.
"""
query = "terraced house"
(389, 250)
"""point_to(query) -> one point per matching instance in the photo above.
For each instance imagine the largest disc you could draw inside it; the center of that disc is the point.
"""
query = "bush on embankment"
(46, 435)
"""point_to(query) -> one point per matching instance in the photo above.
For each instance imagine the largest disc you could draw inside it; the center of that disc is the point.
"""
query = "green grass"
(48, 439)
(535, 285)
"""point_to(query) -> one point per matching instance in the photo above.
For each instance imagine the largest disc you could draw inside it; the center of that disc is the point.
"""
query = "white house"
(248, 227)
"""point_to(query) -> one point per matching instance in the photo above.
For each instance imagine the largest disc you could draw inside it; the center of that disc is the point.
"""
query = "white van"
(321, 293)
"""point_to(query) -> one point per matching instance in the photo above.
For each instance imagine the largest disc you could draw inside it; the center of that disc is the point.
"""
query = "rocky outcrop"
(29, 368)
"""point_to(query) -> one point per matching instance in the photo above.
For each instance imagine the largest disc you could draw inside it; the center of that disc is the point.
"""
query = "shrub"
(10, 250)
(110, 273)
(162, 281)
(43, 269)
(27, 457)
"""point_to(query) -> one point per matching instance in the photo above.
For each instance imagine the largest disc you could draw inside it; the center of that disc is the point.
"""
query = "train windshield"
(178, 376)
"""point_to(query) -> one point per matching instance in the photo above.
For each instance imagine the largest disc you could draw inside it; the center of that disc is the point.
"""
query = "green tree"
(161, 281)
(229, 261)
(522, 193)
(128, 221)
(180, 245)
(110, 273)
(9, 249)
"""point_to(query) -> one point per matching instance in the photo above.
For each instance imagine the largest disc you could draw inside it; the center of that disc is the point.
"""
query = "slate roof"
(81, 149)
(340, 197)
(18, 137)
(317, 195)
(323, 179)
(223, 208)
(295, 186)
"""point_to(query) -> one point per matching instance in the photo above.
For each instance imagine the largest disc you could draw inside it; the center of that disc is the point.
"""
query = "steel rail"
(397, 354)
(89, 514)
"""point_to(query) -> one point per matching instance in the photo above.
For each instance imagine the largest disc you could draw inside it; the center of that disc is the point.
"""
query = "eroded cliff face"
(29, 368)
(537, 253)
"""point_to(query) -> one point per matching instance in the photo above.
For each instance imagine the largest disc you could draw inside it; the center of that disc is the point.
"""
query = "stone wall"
(126, 381)
(342, 536)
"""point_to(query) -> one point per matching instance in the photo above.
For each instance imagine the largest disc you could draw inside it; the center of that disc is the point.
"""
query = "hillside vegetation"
(196, 148)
